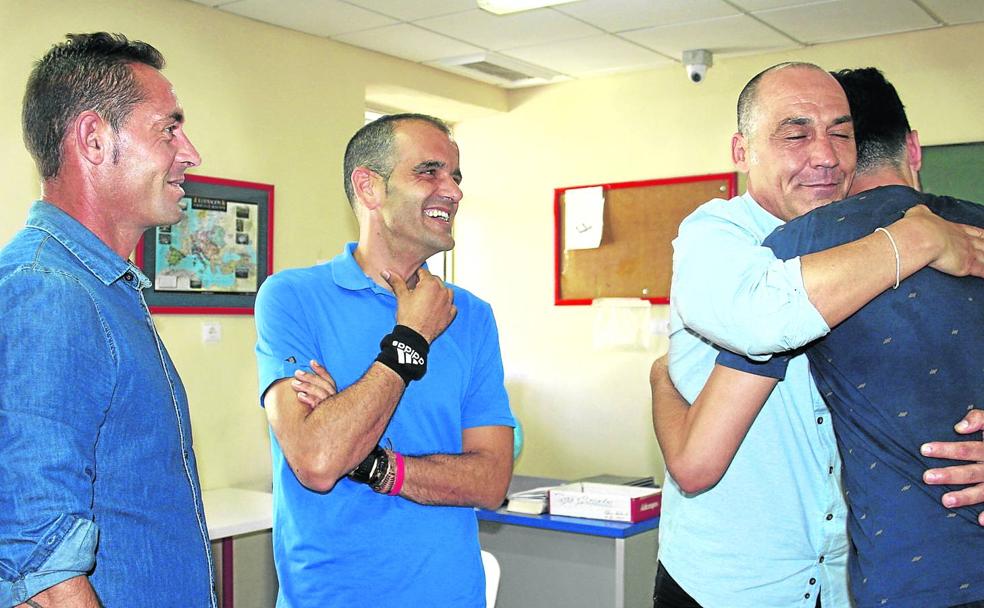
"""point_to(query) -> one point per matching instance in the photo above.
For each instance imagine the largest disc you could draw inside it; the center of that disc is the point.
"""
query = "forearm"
(73, 593)
(841, 280)
(325, 443)
(472, 479)
(698, 442)
(477, 477)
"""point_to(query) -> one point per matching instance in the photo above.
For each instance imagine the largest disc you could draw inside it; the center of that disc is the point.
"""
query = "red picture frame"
(252, 203)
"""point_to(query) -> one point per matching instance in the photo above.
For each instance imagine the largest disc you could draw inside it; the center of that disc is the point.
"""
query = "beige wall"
(274, 106)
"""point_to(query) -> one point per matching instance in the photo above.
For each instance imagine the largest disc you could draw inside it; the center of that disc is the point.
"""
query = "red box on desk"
(606, 501)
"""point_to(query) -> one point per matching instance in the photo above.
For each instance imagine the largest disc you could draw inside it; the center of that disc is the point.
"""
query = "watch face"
(370, 467)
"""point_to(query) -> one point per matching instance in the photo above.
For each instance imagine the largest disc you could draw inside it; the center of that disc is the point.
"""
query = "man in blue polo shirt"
(896, 374)
(375, 483)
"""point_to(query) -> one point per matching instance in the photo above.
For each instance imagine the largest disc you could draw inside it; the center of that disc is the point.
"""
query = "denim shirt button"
(128, 277)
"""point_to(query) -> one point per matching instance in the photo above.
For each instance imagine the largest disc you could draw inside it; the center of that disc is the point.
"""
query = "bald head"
(795, 139)
(749, 97)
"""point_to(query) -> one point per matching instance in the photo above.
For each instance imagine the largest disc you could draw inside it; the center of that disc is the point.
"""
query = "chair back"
(492, 573)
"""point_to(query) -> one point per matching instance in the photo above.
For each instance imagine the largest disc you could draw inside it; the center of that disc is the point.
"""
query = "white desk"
(232, 512)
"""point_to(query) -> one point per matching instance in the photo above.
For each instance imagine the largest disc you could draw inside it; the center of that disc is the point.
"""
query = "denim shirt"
(98, 474)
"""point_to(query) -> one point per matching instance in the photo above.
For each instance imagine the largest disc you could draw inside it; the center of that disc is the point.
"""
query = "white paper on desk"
(584, 210)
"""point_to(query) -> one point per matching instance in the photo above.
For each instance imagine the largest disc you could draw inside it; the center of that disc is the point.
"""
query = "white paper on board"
(583, 217)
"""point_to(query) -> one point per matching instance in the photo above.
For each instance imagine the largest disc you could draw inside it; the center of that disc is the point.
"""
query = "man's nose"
(823, 153)
(188, 154)
(451, 190)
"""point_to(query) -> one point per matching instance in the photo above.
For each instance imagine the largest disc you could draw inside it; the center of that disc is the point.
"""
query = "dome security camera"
(697, 61)
(696, 72)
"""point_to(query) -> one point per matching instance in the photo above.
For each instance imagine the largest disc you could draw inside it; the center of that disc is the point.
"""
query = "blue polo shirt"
(898, 373)
(351, 546)
(98, 475)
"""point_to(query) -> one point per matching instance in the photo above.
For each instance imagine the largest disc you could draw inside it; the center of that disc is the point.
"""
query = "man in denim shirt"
(101, 503)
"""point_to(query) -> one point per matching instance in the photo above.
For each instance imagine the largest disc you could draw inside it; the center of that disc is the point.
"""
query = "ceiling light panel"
(504, 7)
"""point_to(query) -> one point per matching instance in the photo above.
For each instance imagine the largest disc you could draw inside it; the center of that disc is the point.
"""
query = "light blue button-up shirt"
(772, 531)
(98, 475)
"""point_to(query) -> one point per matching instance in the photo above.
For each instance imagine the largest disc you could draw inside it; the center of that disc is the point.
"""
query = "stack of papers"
(532, 501)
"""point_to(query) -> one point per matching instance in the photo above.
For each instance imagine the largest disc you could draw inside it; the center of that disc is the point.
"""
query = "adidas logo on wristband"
(407, 355)
(405, 352)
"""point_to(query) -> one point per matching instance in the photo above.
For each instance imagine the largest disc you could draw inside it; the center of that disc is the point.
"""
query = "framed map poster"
(214, 260)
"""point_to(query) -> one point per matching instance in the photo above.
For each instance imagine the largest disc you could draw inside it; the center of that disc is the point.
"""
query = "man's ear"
(913, 150)
(91, 137)
(368, 187)
(739, 152)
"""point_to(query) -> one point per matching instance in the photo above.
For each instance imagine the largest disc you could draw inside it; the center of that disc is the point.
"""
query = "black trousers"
(668, 594)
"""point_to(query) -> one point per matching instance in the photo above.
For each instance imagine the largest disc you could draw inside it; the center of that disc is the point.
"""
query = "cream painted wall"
(587, 411)
(263, 104)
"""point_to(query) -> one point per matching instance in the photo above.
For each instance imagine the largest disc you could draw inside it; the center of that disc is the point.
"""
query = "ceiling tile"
(847, 19)
(418, 9)
(956, 11)
(759, 5)
(323, 18)
(586, 56)
(409, 42)
(726, 36)
(635, 14)
(498, 32)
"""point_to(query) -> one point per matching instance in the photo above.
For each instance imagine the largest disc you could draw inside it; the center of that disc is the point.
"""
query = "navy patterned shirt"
(898, 373)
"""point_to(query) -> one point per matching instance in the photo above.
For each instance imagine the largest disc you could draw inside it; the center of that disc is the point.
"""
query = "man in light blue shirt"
(772, 531)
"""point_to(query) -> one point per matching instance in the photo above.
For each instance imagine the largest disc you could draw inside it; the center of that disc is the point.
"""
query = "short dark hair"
(87, 72)
(372, 146)
(748, 97)
(880, 124)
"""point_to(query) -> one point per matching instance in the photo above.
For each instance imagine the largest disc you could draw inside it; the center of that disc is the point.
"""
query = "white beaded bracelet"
(898, 260)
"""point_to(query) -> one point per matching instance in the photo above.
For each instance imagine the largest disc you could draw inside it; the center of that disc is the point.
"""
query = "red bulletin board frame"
(732, 190)
(208, 303)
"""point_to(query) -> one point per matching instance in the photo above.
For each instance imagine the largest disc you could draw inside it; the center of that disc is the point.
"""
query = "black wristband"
(372, 468)
(405, 352)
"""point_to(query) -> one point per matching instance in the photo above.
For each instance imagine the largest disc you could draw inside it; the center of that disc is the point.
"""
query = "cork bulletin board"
(640, 220)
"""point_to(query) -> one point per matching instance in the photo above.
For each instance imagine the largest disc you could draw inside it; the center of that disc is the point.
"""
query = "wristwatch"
(372, 469)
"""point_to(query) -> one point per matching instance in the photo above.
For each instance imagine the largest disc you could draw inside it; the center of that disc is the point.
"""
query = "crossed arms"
(325, 433)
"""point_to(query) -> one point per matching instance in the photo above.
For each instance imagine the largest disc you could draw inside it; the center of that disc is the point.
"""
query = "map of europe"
(213, 248)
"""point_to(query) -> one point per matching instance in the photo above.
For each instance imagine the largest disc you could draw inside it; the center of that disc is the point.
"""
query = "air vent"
(498, 69)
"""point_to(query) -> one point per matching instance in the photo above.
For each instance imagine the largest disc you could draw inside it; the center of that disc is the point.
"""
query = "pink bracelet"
(400, 475)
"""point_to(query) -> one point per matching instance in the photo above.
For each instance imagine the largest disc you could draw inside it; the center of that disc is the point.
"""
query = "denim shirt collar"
(90, 250)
